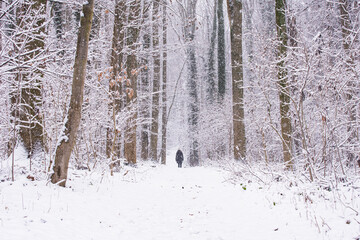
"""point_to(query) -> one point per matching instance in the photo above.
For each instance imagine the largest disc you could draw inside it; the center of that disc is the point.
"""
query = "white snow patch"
(62, 136)
(165, 202)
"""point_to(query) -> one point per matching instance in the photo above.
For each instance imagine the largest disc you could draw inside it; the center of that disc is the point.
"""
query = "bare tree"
(284, 96)
(156, 83)
(30, 16)
(115, 84)
(71, 125)
(235, 19)
(164, 82)
(132, 70)
(193, 115)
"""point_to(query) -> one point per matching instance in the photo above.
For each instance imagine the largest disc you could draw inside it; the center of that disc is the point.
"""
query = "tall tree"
(210, 78)
(221, 50)
(193, 116)
(235, 19)
(57, 8)
(115, 84)
(144, 103)
(133, 31)
(164, 82)
(68, 136)
(30, 17)
(346, 30)
(156, 83)
(286, 130)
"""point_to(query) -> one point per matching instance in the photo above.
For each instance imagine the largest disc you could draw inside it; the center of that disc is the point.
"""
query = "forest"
(264, 90)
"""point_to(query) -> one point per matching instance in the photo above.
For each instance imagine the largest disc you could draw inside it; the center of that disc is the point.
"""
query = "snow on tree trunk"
(30, 17)
(284, 94)
(115, 85)
(71, 125)
(156, 85)
(131, 83)
(235, 19)
(164, 77)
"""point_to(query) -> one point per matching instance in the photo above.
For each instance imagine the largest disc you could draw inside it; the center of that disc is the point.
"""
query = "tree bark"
(164, 96)
(351, 83)
(131, 85)
(194, 108)
(68, 136)
(210, 89)
(115, 84)
(156, 86)
(221, 51)
(144, 103)
(235, 15)
(31, 130)
(284, 93)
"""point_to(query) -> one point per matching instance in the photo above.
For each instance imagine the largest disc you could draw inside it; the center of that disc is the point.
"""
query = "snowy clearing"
(164, 202)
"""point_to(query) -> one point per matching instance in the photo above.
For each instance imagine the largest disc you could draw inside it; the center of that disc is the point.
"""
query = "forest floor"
(165, 202)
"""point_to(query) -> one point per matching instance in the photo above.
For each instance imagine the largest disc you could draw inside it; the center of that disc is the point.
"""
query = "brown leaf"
(30, 178)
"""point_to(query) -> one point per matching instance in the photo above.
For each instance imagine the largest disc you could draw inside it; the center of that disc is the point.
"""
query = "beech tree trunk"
(68, 136)
(235, 15)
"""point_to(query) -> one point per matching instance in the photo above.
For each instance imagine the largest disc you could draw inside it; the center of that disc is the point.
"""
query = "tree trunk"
(164, 96)
(210, 89)
(131, 85)
(68, 136)
(193, 118)
(156, 85)
(115, 84)
(235, 15)
(221, 51)
(58, 19)
(144, 103)
(284, 96)
(31, 130)
(346, 30)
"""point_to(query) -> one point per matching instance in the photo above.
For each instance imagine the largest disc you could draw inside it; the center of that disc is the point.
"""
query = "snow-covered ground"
(164, 202)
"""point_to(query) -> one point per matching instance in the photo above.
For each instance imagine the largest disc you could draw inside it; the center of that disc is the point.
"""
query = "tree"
(221, 51)
(164, 82)
(30, 16)
(346, 30)
(144, 103)
(193, 115)
(115, 84)
(57, 18)
(235, 19)
(72, 122)
(210, 77)
(133, 31)
(284, 94)
(156, 84)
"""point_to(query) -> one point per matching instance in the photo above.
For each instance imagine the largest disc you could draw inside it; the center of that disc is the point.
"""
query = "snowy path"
(147, 203)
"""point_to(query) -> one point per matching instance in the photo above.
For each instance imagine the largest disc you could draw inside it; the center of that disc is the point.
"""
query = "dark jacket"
(179, 157)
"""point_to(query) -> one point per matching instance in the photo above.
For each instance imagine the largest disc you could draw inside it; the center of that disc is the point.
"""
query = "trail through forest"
(159, 202)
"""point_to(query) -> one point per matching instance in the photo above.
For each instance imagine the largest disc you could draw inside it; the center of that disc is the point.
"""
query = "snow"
(63, 136)
(165, 202)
